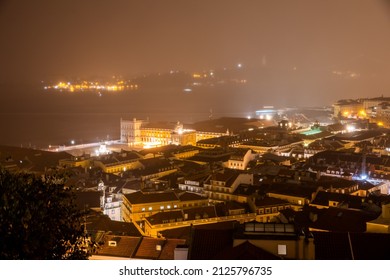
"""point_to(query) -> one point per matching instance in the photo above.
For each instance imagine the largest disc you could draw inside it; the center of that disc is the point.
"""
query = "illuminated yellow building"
(201, 215)
(347, 108)
(296, 197)
(186, 152)
(375, 109)
(221, 186)
(118, 162)
(82, 161)
(140, 205)
(383, 116)
(203, 135)
(142, 133)
(155, 137)
(145, 134)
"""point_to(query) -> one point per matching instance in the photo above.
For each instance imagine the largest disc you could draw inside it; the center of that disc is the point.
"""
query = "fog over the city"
(288, 53)
(301, 47)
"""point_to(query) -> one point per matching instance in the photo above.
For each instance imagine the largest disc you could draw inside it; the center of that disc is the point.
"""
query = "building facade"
(131, 131)
(143, 133)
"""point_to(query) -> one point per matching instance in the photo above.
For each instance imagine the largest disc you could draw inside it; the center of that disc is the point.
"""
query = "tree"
(39, 218)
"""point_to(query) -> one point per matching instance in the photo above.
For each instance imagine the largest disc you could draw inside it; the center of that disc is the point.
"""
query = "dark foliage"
(39, 219)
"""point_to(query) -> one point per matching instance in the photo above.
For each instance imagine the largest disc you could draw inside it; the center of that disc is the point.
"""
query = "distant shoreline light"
(88, 86)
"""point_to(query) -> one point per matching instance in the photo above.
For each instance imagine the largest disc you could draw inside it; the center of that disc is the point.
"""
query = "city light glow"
(350, 128)
(86, 86)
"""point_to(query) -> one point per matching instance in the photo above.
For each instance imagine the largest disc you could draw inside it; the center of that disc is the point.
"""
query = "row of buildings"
(254, 191)
(375, 109)
(144, 133)
(273, 211)
(287, 193)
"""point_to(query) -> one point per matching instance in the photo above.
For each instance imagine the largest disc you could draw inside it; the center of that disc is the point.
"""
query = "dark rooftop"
(349, 201)
(150, 248)
(245, 251)
(185, 232)
(358, 135)
(245, 190)
(268, 201)
(351, 245)
(169, 247)
(334, 182)
(234, 125)
(331, 219)
(30, 160)
(187, 196)
(292, 190)
(141, 197)
(228, 176)
(168, 149)
(207, 243)
(155, 163)
(160, 125)
(98, 222)
(116, 158)
(162, 217)
(212, 155)
(124, 247)
(203, 212)
(87, 200)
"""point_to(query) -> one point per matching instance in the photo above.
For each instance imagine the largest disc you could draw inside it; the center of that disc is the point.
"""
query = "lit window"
(169, 206)
(162, 207)
(174, 206)
(282, 249)
(143, 209)
(150, 208)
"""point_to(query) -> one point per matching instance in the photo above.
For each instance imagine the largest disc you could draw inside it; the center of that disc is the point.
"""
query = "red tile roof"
(150, 248)
(124, 246)
(168, 250)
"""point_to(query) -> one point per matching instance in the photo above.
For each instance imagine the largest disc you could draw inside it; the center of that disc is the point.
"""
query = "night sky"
(305, 44)
(62, 37)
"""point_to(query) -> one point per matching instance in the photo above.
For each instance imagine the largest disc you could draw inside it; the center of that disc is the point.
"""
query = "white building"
(110, 203)
(131, 131)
